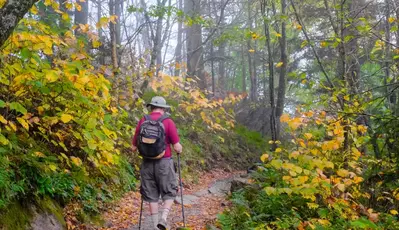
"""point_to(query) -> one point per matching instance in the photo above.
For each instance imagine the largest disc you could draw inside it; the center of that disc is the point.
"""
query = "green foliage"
(61, 135)
(251, 137)
(315, 183)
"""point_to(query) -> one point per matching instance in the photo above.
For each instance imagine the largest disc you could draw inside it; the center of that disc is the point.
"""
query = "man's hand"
(134, 148)
(178, 148)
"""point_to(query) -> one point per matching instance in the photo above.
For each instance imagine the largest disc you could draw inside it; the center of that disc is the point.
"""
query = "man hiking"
(155, 133)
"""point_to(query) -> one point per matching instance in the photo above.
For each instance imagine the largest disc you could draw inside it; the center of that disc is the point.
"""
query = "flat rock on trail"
(202, 202)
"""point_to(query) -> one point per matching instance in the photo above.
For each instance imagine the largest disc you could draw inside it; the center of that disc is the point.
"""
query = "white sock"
(165, 214)
(154, 218)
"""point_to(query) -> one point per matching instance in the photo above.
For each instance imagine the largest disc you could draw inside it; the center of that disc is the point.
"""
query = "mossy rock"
(45, 214)
(15, 217)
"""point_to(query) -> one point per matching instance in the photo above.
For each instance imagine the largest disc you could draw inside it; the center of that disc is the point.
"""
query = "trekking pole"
(141, 212)
(181, 190)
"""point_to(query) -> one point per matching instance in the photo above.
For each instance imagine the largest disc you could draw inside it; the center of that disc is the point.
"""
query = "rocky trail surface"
(202, 202)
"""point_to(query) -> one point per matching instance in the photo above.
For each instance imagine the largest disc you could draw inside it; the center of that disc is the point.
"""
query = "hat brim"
(159, 106)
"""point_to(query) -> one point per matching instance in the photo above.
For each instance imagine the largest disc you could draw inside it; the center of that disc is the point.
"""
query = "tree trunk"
(101, 56)
(244, 70)
(195, 62)
(283, 70)
(113, 32)
(213, 69)
(222, 67)
(273, 127)
(179, 45)
(10, 14)
(252, 93)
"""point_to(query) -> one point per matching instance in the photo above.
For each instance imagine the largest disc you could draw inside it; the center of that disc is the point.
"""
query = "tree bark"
(10, 14)
(283, 70)
(112, 31)
(213, 69)
(252, 93)
(222, 66)
(273, 127)
(101, 58)
(195, 62)
(244, 70)
(179, 45)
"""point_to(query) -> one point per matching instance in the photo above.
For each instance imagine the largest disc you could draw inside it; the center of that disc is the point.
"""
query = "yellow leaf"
(357, 179)
(391, 20)
(48, 51)
(309, 114)
(34, 10)
(251, 50)
(342, 172)
(287, 190)
(312, 205)
(52, 76)
(12, 125)
(47, 2)
(53, 167)
(3, 120)
(278, 65)
(39, 154)
(23, 123)
(394, 212)
(77, 161)
(65, 16)
(278, 150)
(294, 154)
(269, 190)
(323, 44)
(298, 27)
(346, 98)
(295, 123)
(68, 5)
(284, 118)
(287, 178)
(113, 18)
(324, 222)
(278, 35)
(66, 117)
(308, 136)
(341, 187)
(108, 156)
(303, 179)
(78, 7)
(96, 44)
(264, 157)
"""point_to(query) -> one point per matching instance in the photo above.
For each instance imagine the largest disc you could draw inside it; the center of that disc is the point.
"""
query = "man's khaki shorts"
(158, 178)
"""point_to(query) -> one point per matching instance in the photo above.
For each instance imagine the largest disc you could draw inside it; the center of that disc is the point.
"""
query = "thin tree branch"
(311, 45)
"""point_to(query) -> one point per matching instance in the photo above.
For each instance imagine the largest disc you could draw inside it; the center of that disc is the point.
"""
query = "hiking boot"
(162, 224)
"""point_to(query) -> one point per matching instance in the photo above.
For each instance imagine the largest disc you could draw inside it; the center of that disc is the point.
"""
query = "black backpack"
(151, 139)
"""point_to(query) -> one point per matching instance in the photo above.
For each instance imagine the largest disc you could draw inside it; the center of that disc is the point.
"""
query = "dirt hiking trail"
(202, 202)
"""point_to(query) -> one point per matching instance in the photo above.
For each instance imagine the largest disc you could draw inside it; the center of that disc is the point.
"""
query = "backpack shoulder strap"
(147, 117)
(162, 118)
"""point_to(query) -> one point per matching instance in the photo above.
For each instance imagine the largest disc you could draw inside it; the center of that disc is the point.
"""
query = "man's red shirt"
(171, 136)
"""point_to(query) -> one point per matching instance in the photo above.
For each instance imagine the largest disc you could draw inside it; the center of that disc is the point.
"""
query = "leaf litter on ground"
(124, 213)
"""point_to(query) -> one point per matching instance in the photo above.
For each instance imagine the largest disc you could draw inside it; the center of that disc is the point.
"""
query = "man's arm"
(174, 137)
